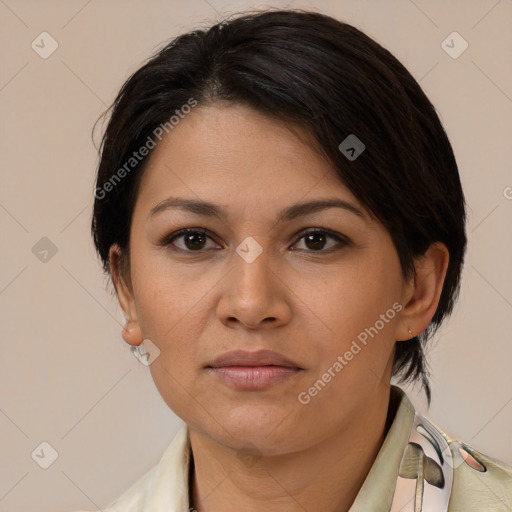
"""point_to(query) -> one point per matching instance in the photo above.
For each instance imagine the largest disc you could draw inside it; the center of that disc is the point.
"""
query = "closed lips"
(252, 359)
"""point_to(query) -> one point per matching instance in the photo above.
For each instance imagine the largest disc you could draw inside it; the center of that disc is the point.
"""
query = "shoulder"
(480, 482)
(450, 475)
(165, 486)
(133, 499)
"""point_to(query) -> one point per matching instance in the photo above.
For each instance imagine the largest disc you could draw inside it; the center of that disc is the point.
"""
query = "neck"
(326, 476)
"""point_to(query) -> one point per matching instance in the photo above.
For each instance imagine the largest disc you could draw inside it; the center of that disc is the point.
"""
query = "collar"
(376, 493)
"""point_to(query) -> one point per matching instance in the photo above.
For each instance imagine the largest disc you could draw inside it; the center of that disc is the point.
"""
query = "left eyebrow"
(301, 209)
(208, 209)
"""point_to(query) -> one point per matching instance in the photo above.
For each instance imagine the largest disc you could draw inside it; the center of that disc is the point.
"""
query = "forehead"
(233, 154)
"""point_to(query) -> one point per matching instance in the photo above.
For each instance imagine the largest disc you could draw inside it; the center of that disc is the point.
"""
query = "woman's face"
(257, 278)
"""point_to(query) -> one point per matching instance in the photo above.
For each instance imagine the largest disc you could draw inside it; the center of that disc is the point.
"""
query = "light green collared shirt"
(474, 483)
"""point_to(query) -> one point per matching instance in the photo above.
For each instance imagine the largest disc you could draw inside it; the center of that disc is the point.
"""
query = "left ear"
(422, 293)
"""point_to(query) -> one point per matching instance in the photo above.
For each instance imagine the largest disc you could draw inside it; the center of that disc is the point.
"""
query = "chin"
(266, 427)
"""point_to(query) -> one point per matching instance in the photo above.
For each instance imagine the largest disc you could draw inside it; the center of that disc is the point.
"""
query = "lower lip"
(254, 377)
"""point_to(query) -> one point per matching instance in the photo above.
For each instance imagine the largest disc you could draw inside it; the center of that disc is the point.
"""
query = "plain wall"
(67, 376)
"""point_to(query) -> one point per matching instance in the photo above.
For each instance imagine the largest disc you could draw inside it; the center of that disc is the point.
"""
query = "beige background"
(67, 376)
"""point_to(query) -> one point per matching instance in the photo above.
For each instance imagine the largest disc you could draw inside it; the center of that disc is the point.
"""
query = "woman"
(280, 211)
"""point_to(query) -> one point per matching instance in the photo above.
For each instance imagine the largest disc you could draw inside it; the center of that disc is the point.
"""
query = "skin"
(307, 300)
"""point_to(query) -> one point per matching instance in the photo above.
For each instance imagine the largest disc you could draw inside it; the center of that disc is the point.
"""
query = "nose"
(254, 295)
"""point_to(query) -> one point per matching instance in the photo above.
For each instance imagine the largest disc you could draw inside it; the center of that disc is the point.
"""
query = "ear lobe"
(423, 293)
(131, 332)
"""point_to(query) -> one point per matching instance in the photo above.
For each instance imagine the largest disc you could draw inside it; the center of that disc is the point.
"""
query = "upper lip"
(245, 358)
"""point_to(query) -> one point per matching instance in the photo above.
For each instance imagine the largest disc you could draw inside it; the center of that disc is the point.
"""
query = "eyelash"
(342, 240)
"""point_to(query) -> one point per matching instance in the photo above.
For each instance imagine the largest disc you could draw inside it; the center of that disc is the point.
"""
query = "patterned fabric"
(427, 459)
(418, 469)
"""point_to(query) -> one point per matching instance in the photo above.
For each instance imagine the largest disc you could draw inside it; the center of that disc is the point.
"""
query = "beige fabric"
(475, 491)
(165, 487)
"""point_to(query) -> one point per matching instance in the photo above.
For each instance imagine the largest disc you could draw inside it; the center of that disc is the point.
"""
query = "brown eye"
(191, 240)
(316, 240)
(194, 241)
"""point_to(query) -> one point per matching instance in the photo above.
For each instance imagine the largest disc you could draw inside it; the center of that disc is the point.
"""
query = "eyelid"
(329, 232)
(167, 239)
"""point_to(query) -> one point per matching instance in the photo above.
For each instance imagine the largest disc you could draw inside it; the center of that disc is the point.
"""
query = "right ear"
(131, 332)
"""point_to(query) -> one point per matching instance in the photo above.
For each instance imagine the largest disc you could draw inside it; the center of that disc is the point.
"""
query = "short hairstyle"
(324, 76)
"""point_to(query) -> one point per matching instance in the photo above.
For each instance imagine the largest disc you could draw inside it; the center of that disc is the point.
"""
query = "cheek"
(171, 318)
(354, 298)
(165, 296)
(360, 311)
